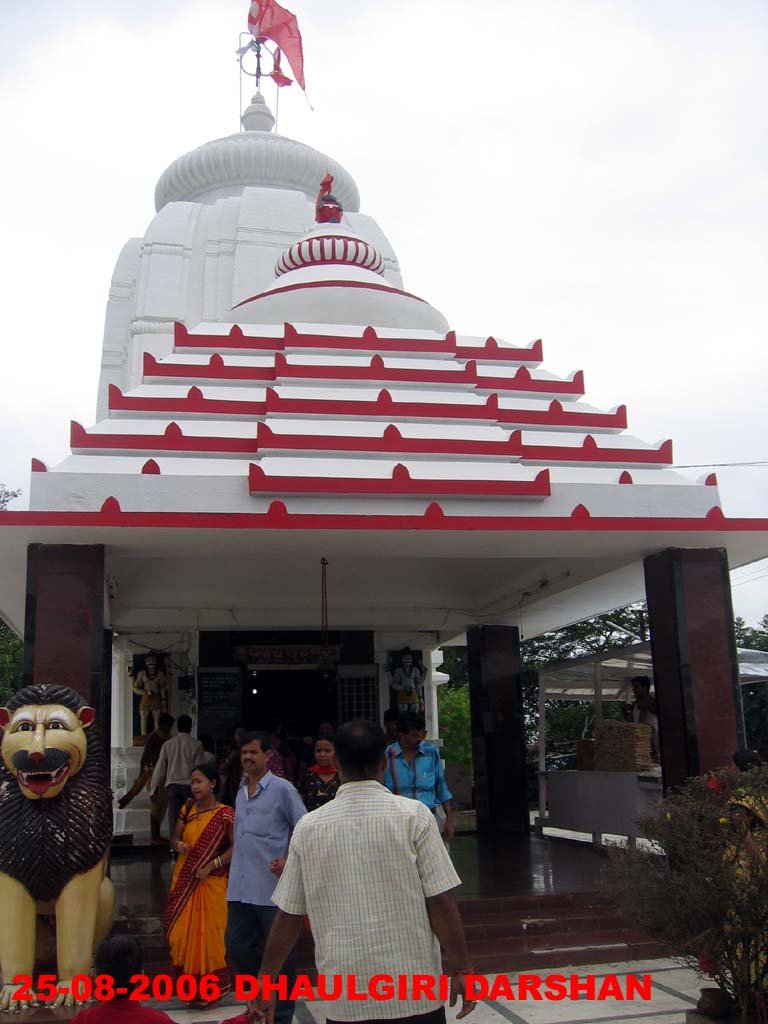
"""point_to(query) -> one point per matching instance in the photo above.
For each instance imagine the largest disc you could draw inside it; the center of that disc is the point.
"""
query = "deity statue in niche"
(151, 683)
(405, 675)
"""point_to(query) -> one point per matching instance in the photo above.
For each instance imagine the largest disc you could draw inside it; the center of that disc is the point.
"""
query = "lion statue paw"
(8, 1002)
(65, 996)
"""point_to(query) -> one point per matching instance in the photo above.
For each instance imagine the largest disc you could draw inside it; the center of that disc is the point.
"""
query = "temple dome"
(253, 157)
(333, 276)
(330, 244)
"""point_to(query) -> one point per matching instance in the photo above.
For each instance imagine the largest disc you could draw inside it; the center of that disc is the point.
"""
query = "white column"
(434, 678)
(122, 698)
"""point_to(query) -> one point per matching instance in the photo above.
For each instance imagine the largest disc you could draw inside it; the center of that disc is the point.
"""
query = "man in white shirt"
(372, 873)
(178, 756)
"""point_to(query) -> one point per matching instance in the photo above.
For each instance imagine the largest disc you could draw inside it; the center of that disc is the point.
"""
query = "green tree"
(6, 495)
(11, 648)
(11, 662)
(754, 638)
(453, 709)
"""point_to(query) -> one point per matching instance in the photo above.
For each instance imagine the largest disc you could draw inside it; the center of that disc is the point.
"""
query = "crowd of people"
(233, 820)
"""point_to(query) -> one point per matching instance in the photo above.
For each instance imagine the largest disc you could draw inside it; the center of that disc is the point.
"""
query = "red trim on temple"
(391, 442)
(590, 452)
(193, 404)
(375, 373)
(214, 369)
(172, 440)
(277, 517)
(382, 407)
(341, 283)
(38, 466)
(400, 483)
(368, 342)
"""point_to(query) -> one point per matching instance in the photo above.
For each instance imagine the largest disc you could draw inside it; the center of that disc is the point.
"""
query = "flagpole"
(240, 84)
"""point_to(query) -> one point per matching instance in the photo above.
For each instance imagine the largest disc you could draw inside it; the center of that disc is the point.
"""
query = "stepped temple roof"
(266, 375)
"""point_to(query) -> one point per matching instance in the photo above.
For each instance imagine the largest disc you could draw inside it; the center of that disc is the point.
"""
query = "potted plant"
(702, 885)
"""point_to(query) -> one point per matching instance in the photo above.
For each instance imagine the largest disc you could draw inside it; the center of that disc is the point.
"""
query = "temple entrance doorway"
(297, 699)
(291, 679)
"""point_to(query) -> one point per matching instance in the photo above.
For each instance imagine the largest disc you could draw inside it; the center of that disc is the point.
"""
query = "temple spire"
(257, 117)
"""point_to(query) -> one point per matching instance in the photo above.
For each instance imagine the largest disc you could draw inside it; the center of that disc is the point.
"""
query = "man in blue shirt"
(266, 811)
(414, 769)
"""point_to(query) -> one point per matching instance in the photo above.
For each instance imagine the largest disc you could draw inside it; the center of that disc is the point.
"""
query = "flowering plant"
(702, 887)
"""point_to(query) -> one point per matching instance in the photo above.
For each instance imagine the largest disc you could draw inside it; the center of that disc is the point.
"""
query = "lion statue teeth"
(55, 829)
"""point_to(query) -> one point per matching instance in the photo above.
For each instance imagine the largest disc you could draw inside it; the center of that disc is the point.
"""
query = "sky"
(591, 172)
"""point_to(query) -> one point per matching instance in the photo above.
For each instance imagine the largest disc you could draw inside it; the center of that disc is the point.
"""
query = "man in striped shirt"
(373, 875)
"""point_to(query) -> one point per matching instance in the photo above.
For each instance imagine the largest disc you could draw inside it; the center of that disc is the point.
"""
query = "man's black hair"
(746, 759)
(119, 956)
(410, 720)
(166, 721)
(264, 739)
(642, 680)
(360, 747)
(184, 723)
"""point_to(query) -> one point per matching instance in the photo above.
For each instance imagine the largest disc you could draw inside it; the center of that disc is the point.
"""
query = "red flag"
(276, 74)
(268, 20)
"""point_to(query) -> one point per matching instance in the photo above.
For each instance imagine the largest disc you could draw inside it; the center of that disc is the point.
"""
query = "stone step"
(531, 905)
(475, 929)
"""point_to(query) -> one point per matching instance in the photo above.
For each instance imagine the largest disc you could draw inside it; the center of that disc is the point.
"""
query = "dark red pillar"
(64, 637)
(695, 665)
(498, 728)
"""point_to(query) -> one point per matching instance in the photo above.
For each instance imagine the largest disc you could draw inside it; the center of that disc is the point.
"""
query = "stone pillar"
(64, 637)
(695, 665)
(498, 728)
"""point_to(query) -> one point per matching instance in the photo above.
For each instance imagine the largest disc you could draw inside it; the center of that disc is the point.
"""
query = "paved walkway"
(675, 990)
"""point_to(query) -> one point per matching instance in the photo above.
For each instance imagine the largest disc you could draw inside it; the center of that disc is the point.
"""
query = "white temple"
(271, 393)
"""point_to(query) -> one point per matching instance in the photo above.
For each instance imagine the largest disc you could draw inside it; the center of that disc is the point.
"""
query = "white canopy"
(611, 670)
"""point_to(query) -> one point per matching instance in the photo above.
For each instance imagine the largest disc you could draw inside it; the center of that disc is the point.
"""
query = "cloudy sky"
(591, 172)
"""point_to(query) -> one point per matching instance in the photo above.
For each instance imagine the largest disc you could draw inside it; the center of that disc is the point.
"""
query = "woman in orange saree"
(196, 915)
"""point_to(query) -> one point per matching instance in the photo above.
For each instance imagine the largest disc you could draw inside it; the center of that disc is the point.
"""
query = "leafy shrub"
(704, 891)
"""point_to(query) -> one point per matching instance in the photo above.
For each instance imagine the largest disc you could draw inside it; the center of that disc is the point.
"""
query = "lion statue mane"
(44, 843)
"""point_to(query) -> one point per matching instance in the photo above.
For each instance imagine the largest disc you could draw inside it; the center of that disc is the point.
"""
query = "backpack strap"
(393, 772)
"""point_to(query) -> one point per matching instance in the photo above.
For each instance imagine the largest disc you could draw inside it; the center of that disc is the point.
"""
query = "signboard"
(288, 656)
(219, 700)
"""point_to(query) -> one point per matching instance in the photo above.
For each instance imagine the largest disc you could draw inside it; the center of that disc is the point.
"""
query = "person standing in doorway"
(234, 768)
(414, 770)
(320, 783)
(267, 809)
(372, 874)
(173, 770)
(150, 755)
